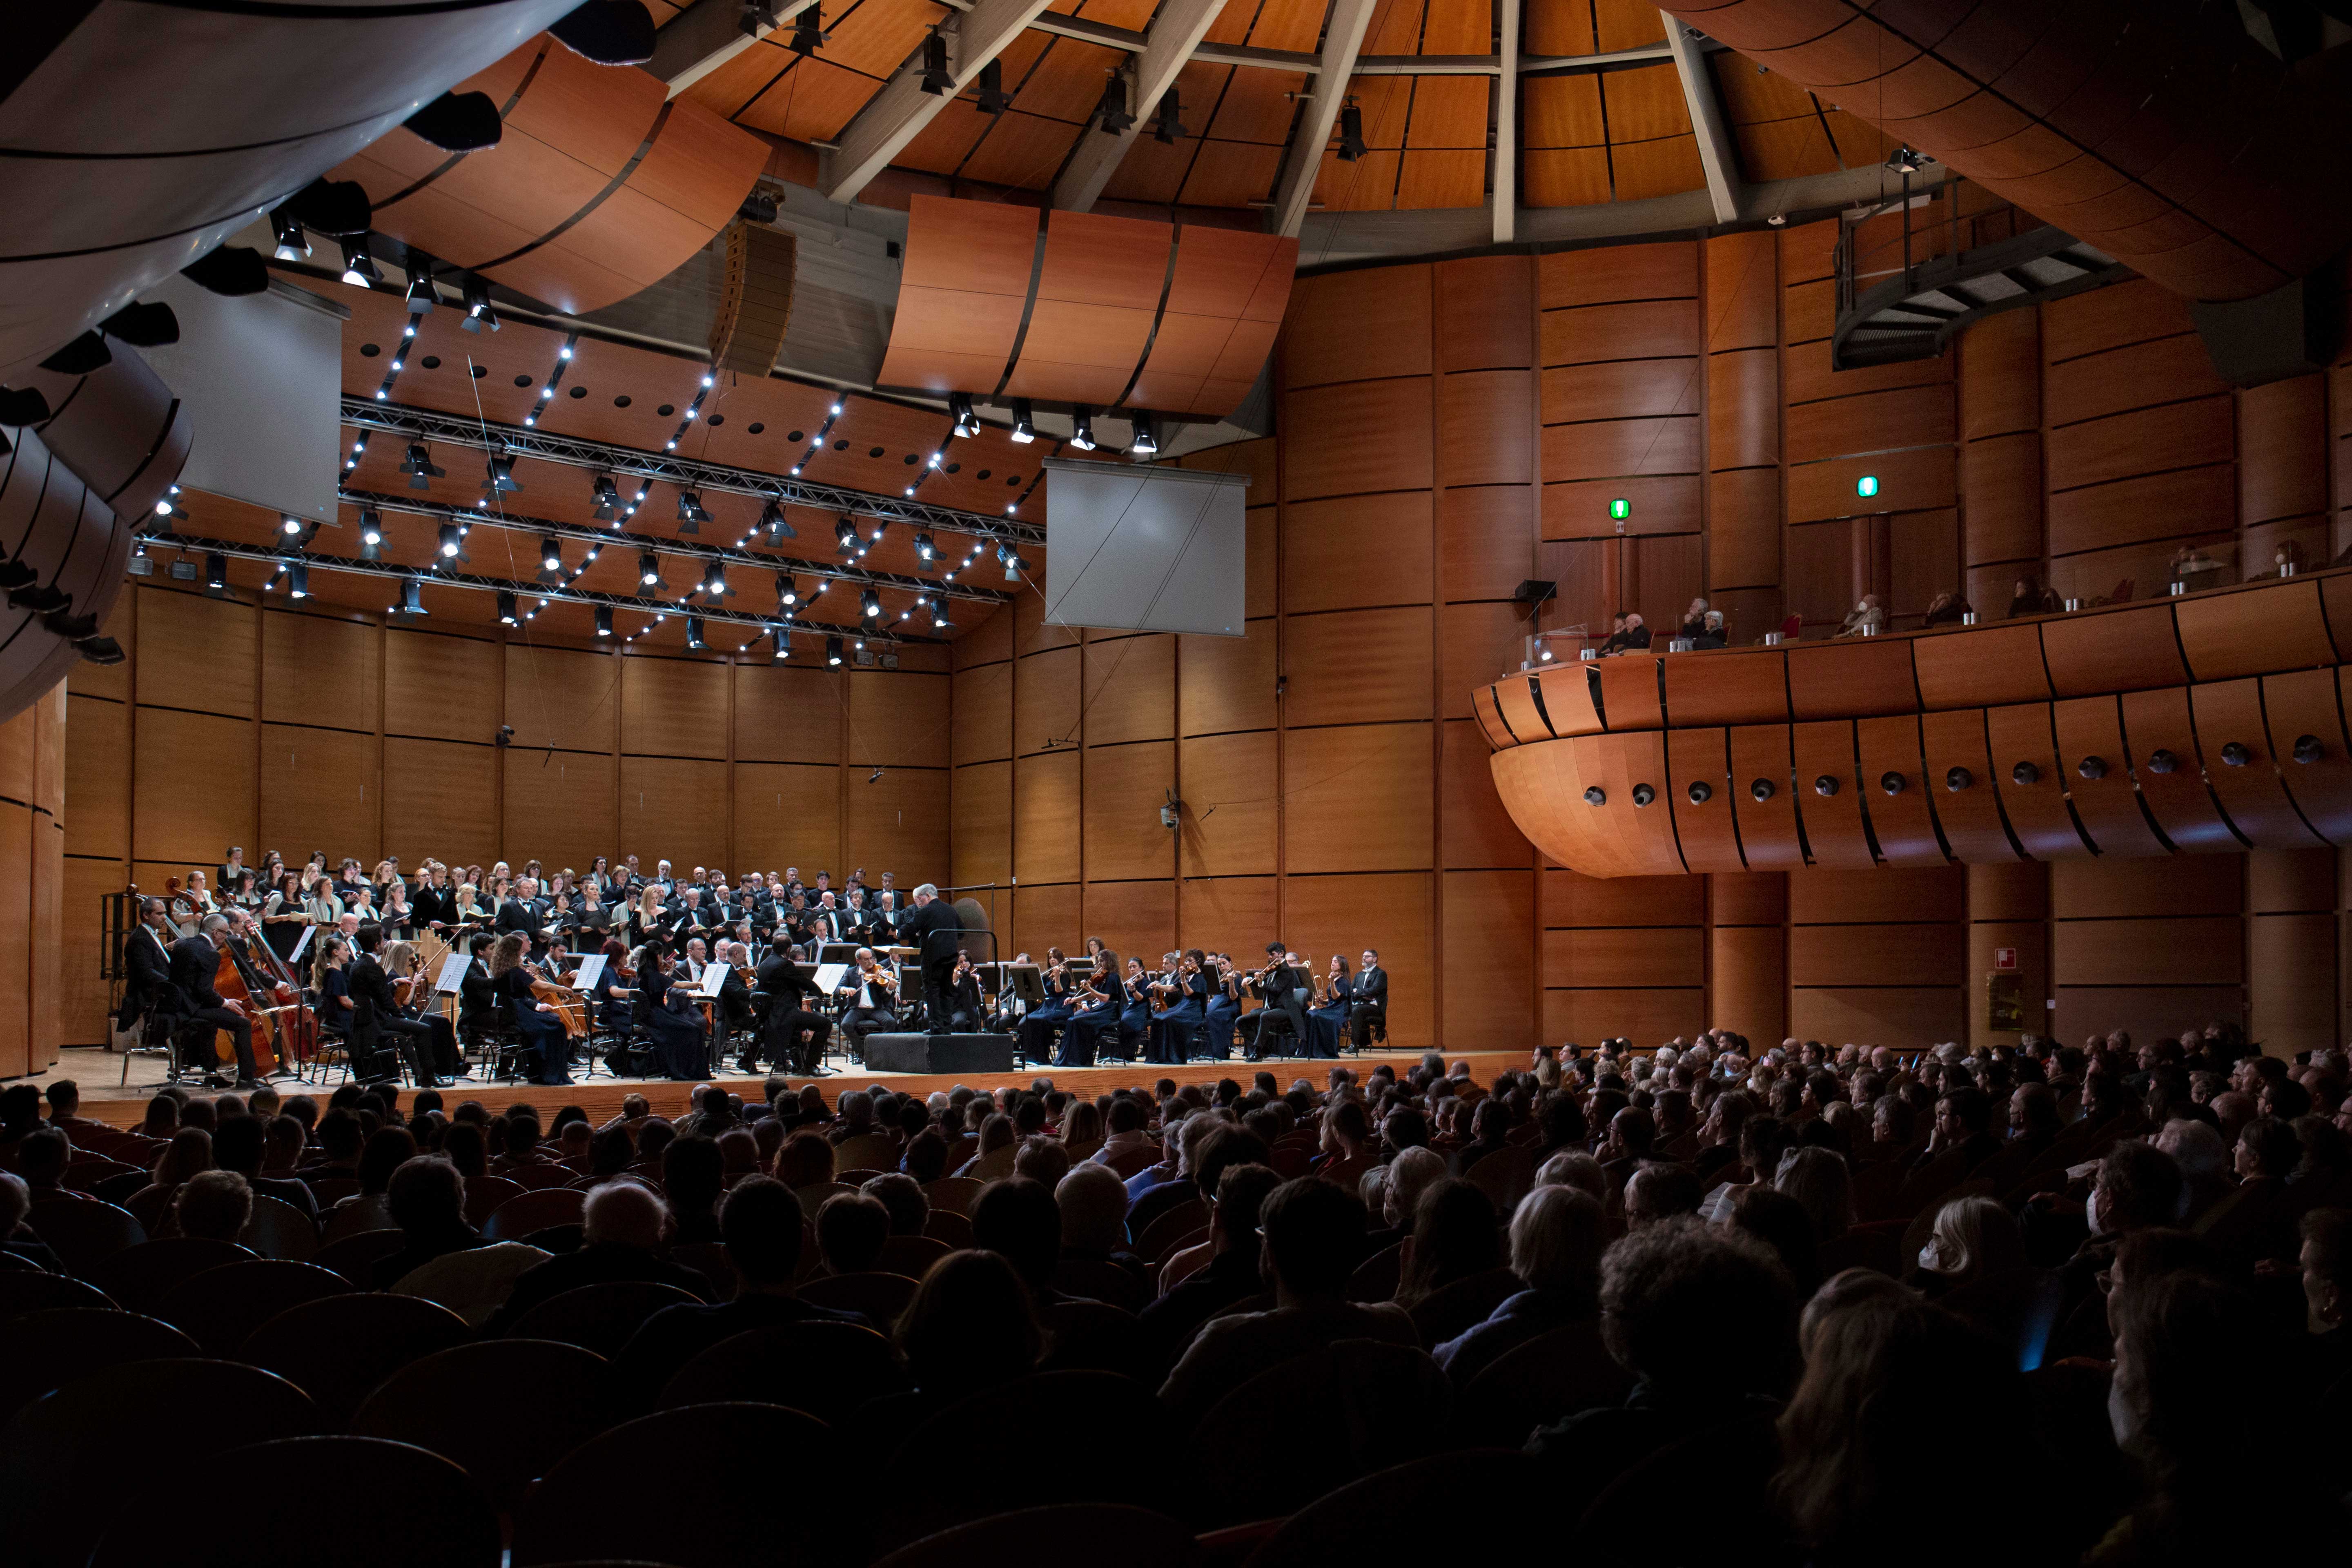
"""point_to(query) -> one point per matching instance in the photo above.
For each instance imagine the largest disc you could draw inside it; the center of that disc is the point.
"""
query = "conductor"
(931, 928)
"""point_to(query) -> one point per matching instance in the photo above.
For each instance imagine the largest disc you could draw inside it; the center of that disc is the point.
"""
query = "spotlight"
(779, 528)
(694, 643)
(1112, 113)
(216, 573)
(608, 499)
(787, 595)
(289, 524)
(715, 583)
(450, 537)
(845, 534)
(507, 616)
(870, 604)
(422, 295)
(1024, 426)
(418, 467)
(293, 245)
(479, 313)
(1011, 560)
(936, 80)
(808, 31)
(923, 545)
(603, 620)
(994, 98)
(1351, 134)
(1904, 161)
(412, 596)
(783, 641)
(298, 581)
(500, 469)
(550, 555)
(359, 268)
(939, 621)
(833, 651)
(967, 423)
(370, 526)
(649, 569)
(690, 515)
(1146, 444)
(1168, 125)
(1082, 428)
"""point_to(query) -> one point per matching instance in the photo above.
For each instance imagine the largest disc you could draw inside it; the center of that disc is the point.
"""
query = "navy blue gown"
(681, 1045)
(1043, 1026)
(1221, 1017)
(1174, 1030)
(1326, 1024)
(1081, 1038)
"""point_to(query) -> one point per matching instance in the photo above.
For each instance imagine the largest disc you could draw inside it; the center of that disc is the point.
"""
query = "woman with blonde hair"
(1817, 1178)
(1974, 1238)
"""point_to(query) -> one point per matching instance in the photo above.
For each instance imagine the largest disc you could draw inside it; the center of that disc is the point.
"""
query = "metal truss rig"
(511, 440)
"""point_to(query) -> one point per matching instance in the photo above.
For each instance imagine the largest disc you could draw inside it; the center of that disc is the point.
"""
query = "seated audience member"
(42, 1156)
(692, 1178)
(1558, 1234)
(19, 1246)
(902, 1195)
(1869, 615)
(1410, 1175)
(1781, 1223)
(1659, 1190)
(426, 1199)
(1311, 1238)
(1454, 1237)
(1817, 1178)
(242, 1145)
(970, 1326)
(1974, 1238)
(212, 1205)
(1574, 1168)
(624, 1225)
(1667, 1293)
(850, 1230)
(64, 1096)
(1230, 1274)
(1093, 1202)
(760, 1223)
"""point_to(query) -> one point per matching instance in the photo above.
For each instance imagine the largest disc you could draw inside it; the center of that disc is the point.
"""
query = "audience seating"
(139, 1277)
(520, 1217)
(220, 1307)
(279, 1230)
(949, 1228)
(1551, 1376)
(1017, 1441)
(359, 1502)
(952, 1194)
(1738, 1458)
(31, 1291)
(82, 1234)
(1096, 1281)
(1161, 1237)
(355, 1257)
(911, 1254)
(1409, 1513)
(867, 1150)
(551, 1399)
(1376, 1278)
(734, 1451)
(1371, 1402)
(67, 1458)
(826, 1369)
(599, 1318)
(484, 1193)
(41, 1350)
(1875, 1245)
(336, 1349)
(1061, 1535)
(1093, 1336)
(709, 1259)
(881, 1297)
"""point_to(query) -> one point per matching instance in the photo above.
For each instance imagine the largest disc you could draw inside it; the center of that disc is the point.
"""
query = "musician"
(1044, 1024)
(230, 866)
(405, 965)
(1225, 1006)
(825, 918)
(1328, 1009)
(888, 915)
(691, 921)
(592, 921)
(1104, 996)
(965, 1008)
(674, 1017)
(795, 1032)
(1134, 1016)
(1283, 1001)
(435, 900)
(867, 1001)
(196, 964)
(147, 962)
(931, 928)
(734, 994)
(613, 987)
(398, 920)
(380, 1013)
(1369, 1003)
(538, 1021)
(1184, 1000)
(694, 961)
(478, 998)
(329, 977)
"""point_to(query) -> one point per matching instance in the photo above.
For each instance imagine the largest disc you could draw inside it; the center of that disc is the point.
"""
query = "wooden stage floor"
(103, 1099)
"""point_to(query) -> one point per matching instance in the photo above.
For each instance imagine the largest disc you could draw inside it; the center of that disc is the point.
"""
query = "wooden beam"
(1175, 33)
(1343, 40)
(1716, 157)
(896, 115)
(1504, 200)
(698, 40)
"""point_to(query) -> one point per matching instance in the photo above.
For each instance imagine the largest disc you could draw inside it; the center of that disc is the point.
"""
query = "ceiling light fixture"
(1351, 133)
(994, 98)
(1147, 442)
(603, 620)
(870, 604)
(649, 569)
(1082, 428)
(936, 81)
(1168, 125)
(450, 537)
(359, 267)
(833, 651)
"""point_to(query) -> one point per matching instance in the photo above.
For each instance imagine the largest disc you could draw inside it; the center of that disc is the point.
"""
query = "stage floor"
(105, 1098)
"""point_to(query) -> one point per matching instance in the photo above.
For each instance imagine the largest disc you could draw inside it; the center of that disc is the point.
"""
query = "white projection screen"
(261, 377)
(1136, 548)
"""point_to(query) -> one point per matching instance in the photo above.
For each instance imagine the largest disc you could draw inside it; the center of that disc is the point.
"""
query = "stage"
(122, 1105)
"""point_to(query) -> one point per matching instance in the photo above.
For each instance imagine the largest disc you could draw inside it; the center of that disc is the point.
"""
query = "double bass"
(243, 988)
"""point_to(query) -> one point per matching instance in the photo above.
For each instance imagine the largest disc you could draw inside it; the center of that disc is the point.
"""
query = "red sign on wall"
(2005, 958)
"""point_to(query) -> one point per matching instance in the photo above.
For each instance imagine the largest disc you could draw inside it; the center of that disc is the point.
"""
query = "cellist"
(196, 962)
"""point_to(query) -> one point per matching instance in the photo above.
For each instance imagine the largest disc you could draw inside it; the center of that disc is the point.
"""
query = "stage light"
(936, 81)
(1904, 161)
(1351, 134)
(412, 596)
(1024, 426)
(293, 245)
(783, 641)
(603, 620)
(370, 526)
(994, 98)
(216, 573)
(288, 524)
(1082, 428)
(359, 267)
(694, 643)
(833, 651)
(298, 581)
(1147, 443)
(422, 295)
(690, 515)
(450, 537)
(1168, 125)
(479, 313)
(1112, 113)
(787, 594)
(779, 528)
(550, 555)
(507, 616)
(845, 534)
(500, 471)
(924, 546)
(967, 423)
(714, 582)
(608, 499)
(418, 467)
(939, 621)
(648, 568)
(871, 604)
(808, 31)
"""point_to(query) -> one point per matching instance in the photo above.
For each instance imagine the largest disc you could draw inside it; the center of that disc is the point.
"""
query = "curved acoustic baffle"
(2206, 723)
(2157, 131)
(144, 135)
(601, 183)
(1105, 313)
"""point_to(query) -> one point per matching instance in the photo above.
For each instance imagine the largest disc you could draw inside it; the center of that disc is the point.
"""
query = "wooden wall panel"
(98, 781)
(1345, 327)
(1388, 913)
(1485, 314)
(563, 697)
(319, 791)
(1588, 1016)
(1047, 916)
(1120, 817)
(1359, 668)
(898, 823)
(446, 803)
(1875, 1015)
(1357, 798)
(193, 793)
(1230, 914)
(673, 808)
(2155, 951)
(897, 719)
(1131, 690)
(1359, 553)
(564, 805)
(1489, 945)
(1045, 700)
(980, 712)
(197, 653)
(1475, 831)
(1875, 955)
(785, 714)
(674, 708)
(1045, 810)
(440, 687)
(1356, 439)
(1611, 958)
(979, 823)
(18, 828)
(315, 670)
(1231, 790)
(1483, 425)
(1749, 972)
(1228, 682)
(2291, 982)
(1136, 919)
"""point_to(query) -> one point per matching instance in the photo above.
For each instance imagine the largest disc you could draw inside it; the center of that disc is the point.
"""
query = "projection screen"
(1136, 548)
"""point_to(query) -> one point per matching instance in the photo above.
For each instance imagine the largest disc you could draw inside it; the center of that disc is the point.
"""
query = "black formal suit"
(931, 931)
(1283, 999)
(147, 962)
(515, 915)
(378, 1016)
(1371, 1005)
(793, 999)
(195, 963)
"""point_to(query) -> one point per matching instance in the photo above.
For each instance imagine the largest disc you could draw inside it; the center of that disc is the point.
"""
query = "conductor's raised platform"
(938, 1053)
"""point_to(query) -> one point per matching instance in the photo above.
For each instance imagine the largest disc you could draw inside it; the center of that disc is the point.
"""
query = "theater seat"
(1075, 1534)
(1250, 1458)
(438, 1402)
(599, 1318)
(1361, 1521)
(1547, 1379)
(221, 1307)
(45, 1350)
(36, 1290)
(826, 1369)
(338, 1348)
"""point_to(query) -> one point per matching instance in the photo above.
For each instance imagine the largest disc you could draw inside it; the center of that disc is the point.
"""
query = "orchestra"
(447, 971)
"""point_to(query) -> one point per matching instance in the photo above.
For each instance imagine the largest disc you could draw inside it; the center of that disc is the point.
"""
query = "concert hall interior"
(853, 720)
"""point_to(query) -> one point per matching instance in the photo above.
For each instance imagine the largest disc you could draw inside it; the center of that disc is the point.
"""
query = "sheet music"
(714, 975)
(453, 970)
(294, 959)
(590, 968)
(829, 977)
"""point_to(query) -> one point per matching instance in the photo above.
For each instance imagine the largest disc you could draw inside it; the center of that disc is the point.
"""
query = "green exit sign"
(1866, 485)
(1620, 509)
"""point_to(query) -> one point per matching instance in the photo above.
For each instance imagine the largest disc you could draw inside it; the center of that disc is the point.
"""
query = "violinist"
(1044, 1024)
(1183, 1010)
(147, 962)
(535, 1020)
(735, 991)
(869, 1001)
(196, 962)
(964, 1006)
(413, 988)
(379, 1014)
(613, 987)
(1104, 999)
(1225, 1006)
(1283, 1004)
(794, 1031)
(673, 1016)
(329, 978)
(1134, 1016)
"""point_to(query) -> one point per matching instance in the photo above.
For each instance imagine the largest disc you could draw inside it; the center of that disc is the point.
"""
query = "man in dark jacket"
(623, 1224)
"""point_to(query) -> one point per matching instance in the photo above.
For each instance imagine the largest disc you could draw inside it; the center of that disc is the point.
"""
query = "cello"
(242, 993)
(568, 1004)
(297, 1026)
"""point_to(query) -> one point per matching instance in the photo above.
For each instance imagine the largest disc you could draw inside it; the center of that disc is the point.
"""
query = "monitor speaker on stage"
(1145, 548)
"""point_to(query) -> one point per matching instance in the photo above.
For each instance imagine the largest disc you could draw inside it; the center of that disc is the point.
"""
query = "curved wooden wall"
(2206, 723)
(1108, 311)
(2155, 130)
(600, 185)
(32, 883)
